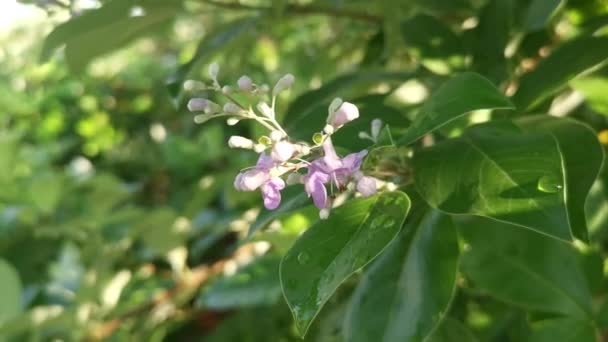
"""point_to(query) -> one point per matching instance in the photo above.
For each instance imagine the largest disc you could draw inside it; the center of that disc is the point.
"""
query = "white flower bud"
(264, 88)
(328, 129)
(284, 83)
(364, 135)
(237, 141)
(376, 127)
(303, 149)
(259, 148)
(245, 83)
(232, 121)
(276, 136)
(345, 114)
(265, 109)
(212, 107)
(214, 69)
(191, 85)
(226, 90)
(199, 119)
(231, 108)
(197, 104)
(324, 214)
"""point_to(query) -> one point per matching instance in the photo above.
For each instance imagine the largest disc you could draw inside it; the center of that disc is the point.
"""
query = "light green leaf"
(406, 293)
(10, 292)
(594, 89)
(495, 170)
(563, 330)
(540, 12)
(293, 199)
(331, 250)
(562, 65)
(582, 157)
(253, 285)
(458, 96)
(524, 268)
(158, 231)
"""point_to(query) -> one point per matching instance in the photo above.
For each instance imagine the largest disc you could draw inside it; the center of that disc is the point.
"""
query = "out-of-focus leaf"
(451, 330)
(563, 330)
(158, 232)
(304, 116)
(540, 12)
(495, 170)
(523, 267)
(253, 285)
(582, 157)
(331, 250)
(406, 292)
(104, 30)
(594, 89)
(458, 96)
(10, 292)
(561, 66)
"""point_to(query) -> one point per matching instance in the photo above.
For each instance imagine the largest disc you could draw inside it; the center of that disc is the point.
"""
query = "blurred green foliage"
(118, 218)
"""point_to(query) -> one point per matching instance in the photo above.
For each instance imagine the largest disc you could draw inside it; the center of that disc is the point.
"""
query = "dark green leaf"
(563, 330)
(331, 250)
(451, 330)
(406, 292)
(525, 268)
(540, 12)
(495, 170)
(10, 292)
(582, 157)
(562, 65)
(458, 96)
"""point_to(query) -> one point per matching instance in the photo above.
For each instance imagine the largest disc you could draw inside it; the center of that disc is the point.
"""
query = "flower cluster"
(283, 161)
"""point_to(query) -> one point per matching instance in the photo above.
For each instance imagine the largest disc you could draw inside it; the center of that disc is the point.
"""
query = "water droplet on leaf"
(549, 184)
(303, 258)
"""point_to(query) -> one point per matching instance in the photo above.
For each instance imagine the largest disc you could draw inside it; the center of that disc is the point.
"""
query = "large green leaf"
(563, 330)
(406, 292)
(458, 96)
(562, 65)
(451, 330)
(497, 171)
(525, 268)
(331, 250)
(582, 157)
(10, 292)
(253, 285)
(305, 111)
(594, 89)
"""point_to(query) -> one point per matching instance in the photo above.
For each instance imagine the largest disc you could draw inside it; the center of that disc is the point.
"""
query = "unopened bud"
(197, 104)
(245, 83)
(284, 83)
(376, 127)
(328, 129)
(324, 214)
(264, 88)
(236, 141)
(303, 149)
(226, 90)
(231, 108)
(364, 135)
(276, 136)
(259, 148)
(201, 118)
(333, 106)
(191, 85)
(265, 109)
(345, 114)
(232, 121)
(214, 69)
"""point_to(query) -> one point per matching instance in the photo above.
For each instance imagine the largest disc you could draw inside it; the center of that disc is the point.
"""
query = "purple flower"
(330, 168)
(260, 177)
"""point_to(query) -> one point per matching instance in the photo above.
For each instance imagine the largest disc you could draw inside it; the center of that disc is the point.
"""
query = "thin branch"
(294, 9)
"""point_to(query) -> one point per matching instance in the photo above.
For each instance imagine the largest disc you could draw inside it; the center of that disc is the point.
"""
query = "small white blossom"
(237, 141)
(245, 83)
(231, 108)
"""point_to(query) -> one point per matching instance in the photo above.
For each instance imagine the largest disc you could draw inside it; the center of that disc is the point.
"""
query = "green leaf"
(253, 285)
(594, 89)
(497, 171)
(582, 157)
(406, 292)
(104, 30)
(10, 292)
(540, 12)
(524, 268)
(158, 231)
(331, 250)
(305, 111)
(451, 330)
(563, 330)
(458, 96)
(561, 66)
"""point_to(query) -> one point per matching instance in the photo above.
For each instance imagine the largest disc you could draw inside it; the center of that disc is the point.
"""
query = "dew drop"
(303, 258)
(549, 184)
